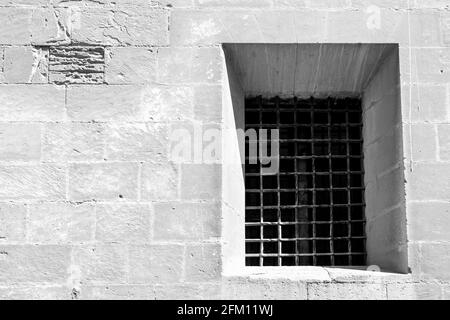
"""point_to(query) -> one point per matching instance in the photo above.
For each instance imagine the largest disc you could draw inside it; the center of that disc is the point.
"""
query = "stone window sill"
(317, 274)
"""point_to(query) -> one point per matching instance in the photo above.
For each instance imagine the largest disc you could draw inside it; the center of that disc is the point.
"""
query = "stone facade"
(91, 205)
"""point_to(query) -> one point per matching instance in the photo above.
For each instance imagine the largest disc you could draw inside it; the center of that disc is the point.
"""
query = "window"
(339, 198)
(312, 211)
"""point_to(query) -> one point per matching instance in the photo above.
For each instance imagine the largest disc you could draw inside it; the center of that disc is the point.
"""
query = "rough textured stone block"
(34, 292)
(103, 103)
(264, 289)
(413, 291)
(31, 103)
(12, 222)
(429, 65)
(138, 141)
(33, 25)
(168, 103)
(201, 181)
(20, 142)
(159, 181)
(208, 103)
(100, 264)
(329, 4)
(195, 27)
(444, 141)
(185, 65)
(36, 3)
(186, 221)
(34, 264)
(25, 65)
(203, 262)
(73, 141)
(429, 182)
(130, 65)
(196, 291)
(37, 182)
(425, 28)
(60, 223)
(434, 260)
(154, 264)
(431, 4)
(427, 102)
(123, 223)
(75, 64)
(118, 292)
(346, 291)
(108, 181)
(429, 221)
(424, 142)
(234, 3)
(356, 26)
(122, 26)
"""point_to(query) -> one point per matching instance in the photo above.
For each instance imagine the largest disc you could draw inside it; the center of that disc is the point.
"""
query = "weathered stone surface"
(12, 222)
(129, 223)
(444, 141)
(20, 142)
(413, 291)
(168, 103)
(100, 264)
(234, 3)
(159, 181)
(103, 181)
(33, 26)
(263, 289)
(104, 103)
(200, 181)
(203, 262)
(130, 65)
(36, 3)
(425, 102)
(432, 267)
(36, 182)
(74, 64)
(137, 142)
(429, 221)
(153, 228)
(207, 291)
(122, 26)
(187, 65)
(429, 182)
(34, 264)
(31, 103)
(155, 264)
(186, 221)
(118, 292)
(208, 103)
(424, 142)
(33, 292)
(25, 65)
(61, 223)
(346, 291)
(329, 4)
(73, 141)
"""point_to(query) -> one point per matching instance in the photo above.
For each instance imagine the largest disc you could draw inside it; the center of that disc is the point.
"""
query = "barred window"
(311, 213)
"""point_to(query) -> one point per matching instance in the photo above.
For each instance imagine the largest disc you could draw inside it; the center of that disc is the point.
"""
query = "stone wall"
(91, 205)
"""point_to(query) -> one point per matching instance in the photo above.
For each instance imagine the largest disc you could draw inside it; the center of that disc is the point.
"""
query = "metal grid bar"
(312, 211)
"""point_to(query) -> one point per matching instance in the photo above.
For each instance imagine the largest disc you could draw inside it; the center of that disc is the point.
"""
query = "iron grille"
(312, 211)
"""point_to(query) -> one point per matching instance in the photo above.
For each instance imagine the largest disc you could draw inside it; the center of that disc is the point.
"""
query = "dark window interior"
(311, 213)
